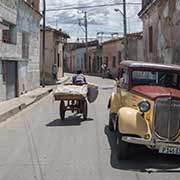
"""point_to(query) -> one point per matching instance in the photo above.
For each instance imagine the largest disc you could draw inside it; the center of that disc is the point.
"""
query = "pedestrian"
(54, 72)
(79, 78)
(103, 67)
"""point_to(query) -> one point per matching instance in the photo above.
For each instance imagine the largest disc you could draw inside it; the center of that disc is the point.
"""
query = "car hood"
(154, 92)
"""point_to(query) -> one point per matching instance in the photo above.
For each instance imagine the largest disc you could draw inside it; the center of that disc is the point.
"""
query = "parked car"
(145, 110)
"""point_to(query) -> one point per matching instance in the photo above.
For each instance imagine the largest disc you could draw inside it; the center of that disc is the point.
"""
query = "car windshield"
(154, 78)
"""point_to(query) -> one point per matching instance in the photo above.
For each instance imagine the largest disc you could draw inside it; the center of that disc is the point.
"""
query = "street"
(36, 145)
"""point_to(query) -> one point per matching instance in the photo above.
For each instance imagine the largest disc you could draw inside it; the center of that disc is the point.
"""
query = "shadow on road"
(69, 121)
(141, 159)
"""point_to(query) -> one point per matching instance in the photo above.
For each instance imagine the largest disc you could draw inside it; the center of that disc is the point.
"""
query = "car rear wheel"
(121, 147)
(62, 110)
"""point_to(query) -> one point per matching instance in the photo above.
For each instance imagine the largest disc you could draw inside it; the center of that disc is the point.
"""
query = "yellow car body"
(137, 107)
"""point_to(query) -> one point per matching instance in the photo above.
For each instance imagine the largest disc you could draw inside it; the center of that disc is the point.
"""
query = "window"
(119, 57)
(9, 35)
(150, 39)
(107, 61)
(114, 61)
(25, 45)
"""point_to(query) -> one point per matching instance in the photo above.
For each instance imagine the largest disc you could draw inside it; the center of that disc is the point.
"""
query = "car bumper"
(153, 142)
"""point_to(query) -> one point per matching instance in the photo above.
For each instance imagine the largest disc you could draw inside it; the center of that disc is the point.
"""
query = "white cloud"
(99, 19)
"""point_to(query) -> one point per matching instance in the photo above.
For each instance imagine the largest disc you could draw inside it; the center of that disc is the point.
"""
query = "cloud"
(99, 19)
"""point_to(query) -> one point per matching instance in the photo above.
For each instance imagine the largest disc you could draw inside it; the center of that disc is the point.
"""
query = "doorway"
(11, 79)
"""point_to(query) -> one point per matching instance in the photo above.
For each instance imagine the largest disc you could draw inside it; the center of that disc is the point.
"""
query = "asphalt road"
(36, 145)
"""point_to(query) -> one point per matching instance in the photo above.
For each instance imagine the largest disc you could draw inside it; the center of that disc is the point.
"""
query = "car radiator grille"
(167, 118)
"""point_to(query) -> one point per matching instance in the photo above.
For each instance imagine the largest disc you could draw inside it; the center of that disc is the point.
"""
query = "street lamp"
(125, 27)
(118, 10)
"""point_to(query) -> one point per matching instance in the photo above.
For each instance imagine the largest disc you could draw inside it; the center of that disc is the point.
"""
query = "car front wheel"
(111, 127)
(121, 147)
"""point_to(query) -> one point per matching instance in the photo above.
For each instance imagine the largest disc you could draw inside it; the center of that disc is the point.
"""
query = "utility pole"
(125, 30)
(86, 38)
(43, 45)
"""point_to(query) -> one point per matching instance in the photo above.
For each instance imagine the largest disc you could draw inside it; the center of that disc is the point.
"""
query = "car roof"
(153, 66)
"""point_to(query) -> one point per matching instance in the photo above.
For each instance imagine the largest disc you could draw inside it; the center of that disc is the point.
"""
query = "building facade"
(75, 56)
(161, 30)
(113, 51)
(19, 47)
(54, 54)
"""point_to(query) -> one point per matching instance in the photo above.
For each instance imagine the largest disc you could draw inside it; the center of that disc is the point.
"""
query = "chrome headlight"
(144, 106)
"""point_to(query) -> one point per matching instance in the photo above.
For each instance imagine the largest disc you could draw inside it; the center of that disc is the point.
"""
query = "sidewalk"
(13, 106)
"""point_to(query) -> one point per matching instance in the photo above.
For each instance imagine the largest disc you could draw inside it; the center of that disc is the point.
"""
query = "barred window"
(9, 35)
(25, 45)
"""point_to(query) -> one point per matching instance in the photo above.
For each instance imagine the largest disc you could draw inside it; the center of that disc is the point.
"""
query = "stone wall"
(164, 17)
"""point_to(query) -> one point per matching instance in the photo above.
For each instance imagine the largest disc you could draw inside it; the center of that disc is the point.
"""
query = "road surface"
(36, 145)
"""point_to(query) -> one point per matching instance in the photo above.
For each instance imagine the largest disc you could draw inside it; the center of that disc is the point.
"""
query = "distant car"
(145, 110)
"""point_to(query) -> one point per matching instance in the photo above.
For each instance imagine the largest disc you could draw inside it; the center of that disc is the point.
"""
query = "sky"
(103, 19)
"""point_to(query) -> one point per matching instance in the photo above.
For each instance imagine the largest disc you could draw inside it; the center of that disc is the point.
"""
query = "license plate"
(169, 150)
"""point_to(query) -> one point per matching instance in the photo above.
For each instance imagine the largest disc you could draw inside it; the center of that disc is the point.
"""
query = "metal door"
(11, 79)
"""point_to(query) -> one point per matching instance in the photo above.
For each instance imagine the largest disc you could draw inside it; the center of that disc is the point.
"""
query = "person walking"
(103, 67)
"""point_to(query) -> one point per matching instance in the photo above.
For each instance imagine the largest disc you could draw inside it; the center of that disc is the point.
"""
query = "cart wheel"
(85, 110)
(62, 110)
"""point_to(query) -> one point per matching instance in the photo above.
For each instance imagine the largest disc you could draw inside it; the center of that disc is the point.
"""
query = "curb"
(12, 112)
(22, 106)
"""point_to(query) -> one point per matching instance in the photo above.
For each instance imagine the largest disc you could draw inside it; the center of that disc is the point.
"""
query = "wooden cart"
(74, 103)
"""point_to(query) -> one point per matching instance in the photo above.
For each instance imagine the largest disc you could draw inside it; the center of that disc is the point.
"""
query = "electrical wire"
(89, 6)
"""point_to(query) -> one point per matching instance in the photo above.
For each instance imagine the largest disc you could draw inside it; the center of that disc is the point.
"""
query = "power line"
(90, 6)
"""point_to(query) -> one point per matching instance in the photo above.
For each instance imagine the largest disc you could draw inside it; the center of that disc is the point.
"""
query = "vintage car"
(145, 109)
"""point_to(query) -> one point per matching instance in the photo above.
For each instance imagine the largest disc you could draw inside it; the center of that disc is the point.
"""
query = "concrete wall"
(113, 47)
(29, 22)
(164, 17)
(80, 59)
(53, 47)
(26, 20)
(109, 50)
(49, 57)
(135, 49)
(9, 13)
